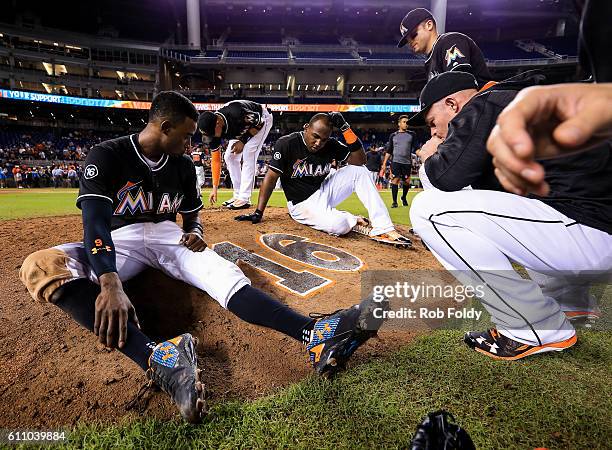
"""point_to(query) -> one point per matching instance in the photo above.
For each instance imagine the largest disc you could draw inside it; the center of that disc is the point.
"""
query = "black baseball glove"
(338, 121)
(254, 217)
(437, 432)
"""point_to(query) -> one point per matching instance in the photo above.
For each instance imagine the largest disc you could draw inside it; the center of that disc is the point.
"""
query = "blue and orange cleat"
(335, 337)
(173, 366)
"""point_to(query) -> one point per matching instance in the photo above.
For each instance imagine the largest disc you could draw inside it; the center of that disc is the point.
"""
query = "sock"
(258, 308)
(394, 189)
(405, 188)
(78, 299)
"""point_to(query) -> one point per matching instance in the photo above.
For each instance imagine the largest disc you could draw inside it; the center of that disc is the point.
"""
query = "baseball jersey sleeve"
(192, 202)
(96, 180)
(456, 50)
(340, 151)
(462, 157)
(279, 161)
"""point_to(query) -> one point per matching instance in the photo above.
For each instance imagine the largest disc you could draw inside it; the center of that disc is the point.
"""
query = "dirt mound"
(54, 374)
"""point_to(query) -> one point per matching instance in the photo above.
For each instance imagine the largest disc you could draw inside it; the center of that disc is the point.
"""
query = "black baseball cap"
(411, 21)
(440, 86)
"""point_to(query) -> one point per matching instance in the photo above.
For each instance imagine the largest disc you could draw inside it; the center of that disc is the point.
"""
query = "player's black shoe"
(335, 337)
(404, 202)
(394, 205)
(173, 366)
(238, 204)
(228, 202)
(497, 346)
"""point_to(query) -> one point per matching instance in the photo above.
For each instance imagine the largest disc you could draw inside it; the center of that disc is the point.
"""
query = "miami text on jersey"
(132, 198)
(302, 168)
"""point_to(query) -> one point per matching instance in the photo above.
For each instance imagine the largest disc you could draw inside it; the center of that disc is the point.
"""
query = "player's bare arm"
(383, 167)
(193, 236)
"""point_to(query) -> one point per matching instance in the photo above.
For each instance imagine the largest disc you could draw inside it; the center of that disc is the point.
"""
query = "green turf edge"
(29, 203)
(560, 400)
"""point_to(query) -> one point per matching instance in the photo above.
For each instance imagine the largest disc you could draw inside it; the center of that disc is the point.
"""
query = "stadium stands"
(507, 51)
(562, 46)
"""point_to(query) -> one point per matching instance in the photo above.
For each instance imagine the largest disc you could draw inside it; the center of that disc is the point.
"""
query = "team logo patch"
(91, 171)
(166, 354)
(452, 54)
(277, 155)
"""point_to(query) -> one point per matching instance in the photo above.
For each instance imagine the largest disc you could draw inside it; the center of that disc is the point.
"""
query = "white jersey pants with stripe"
(319, 210)
(477, 234)
(243, 178)
(156, 245)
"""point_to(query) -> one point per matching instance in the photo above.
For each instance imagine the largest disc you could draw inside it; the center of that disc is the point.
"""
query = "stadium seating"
(497, 51)
(256, 54)
(563, 46)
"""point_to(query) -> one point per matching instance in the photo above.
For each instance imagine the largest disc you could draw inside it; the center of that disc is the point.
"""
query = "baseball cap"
(411, 21)
(207, 122)
(440, 86)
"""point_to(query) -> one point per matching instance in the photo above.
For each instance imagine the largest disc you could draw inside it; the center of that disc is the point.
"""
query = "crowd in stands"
(33, 157)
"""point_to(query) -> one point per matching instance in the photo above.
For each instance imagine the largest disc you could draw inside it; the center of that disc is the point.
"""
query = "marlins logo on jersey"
(452, 54)
(132, 198)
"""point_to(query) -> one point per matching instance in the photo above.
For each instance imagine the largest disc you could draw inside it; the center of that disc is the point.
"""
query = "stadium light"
(385, 88)
(377, 88)
(361, 88)
(393, 88)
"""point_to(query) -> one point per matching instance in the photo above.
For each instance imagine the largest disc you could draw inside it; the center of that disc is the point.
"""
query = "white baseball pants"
(319, 210)
(156, 245)
(477, 234)
(243, 178)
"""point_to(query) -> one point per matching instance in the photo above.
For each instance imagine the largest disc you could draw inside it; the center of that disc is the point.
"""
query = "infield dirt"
(55, 374)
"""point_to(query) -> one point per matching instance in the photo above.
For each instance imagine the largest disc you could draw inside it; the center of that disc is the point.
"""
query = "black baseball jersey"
(400, 146)
(580, 185)
(239, 116)
(116, 171)
(302, 172)
(456, 51)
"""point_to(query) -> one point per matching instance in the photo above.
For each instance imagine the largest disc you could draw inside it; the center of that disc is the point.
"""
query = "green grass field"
(21, 203)
(554, 400)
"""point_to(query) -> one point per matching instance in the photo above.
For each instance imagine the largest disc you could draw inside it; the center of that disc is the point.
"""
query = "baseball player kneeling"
(130, 193)
(303, 161)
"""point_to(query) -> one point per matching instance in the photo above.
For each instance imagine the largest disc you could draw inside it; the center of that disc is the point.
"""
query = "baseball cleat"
(394, 205)
(173, 366)
(238, 204)
(393, 238)
(497, 346)
(335, 337)
(226, 203)
(365, 229)
(404, 202)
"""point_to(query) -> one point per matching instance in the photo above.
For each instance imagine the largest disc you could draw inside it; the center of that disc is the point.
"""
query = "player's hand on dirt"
(254, 217)
(194, 241)
(544, 122)
(338, 121)
(112, 312)
(238, 147)
(212, 197)
(429, 148)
